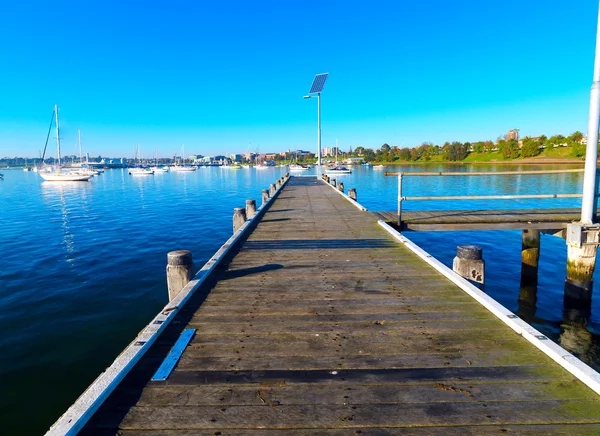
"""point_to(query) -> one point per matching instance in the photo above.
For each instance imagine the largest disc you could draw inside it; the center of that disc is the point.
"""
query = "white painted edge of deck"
(583, 372)
(92, 398)
(355, 203)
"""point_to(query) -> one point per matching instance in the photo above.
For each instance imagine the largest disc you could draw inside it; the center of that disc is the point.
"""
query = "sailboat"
(58, 173)
(156, 168)
(139, 170)
(183, 168)
(27, 167)
(337, 169)
(298, 167)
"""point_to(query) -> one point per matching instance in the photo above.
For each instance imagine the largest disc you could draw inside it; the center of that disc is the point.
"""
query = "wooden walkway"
(322, 324)
(542, 219)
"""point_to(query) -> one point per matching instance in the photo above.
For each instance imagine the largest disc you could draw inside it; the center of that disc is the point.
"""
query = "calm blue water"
(83, 264)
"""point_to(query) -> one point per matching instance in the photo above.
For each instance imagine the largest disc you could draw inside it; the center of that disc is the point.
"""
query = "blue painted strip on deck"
(171, 360)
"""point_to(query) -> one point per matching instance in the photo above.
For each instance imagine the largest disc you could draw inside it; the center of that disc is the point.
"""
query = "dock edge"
(79, 413)
(572, 364)
(355, 203)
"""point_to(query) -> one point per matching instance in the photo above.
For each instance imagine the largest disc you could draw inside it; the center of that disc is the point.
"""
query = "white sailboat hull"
(64, 177)
(184, 169)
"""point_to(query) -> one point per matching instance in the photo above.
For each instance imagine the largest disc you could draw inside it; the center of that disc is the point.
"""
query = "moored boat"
(58, 173)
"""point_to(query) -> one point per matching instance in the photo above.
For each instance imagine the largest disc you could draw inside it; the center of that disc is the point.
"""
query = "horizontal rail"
(482, 173)
(493, 197)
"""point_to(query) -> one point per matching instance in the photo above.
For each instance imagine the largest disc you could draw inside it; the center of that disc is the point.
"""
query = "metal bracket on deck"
(580, 234)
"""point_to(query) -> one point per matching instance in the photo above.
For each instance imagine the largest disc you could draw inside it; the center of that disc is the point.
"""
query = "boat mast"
(57, 133)
(79, 142)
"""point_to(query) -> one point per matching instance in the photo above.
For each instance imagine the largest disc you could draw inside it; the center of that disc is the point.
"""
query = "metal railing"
(402, 198)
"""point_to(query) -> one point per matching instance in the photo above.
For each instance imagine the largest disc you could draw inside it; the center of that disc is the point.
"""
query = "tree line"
(457, 151)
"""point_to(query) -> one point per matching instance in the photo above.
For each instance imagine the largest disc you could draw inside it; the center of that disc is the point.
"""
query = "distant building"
(329, 151)
(302, 153)
(196, 158)
(235, 157)
(513, 134)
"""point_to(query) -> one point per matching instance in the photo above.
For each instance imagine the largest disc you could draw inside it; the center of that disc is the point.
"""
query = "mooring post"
(180, 270)
(400, 201)
(278, 184)
(341, 186)
(530, 256)
(581, 262)
(272, 189)
(265, 196)
(469, 264)
(250, 208)
(239, 218)
(333, 183)
(352, 194)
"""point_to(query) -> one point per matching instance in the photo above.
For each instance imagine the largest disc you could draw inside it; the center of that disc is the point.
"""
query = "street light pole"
(315, 89)
(319, 127)
(590, 179)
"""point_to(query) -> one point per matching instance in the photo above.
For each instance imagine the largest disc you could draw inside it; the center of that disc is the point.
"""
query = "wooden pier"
(321, 323)
(440, 220)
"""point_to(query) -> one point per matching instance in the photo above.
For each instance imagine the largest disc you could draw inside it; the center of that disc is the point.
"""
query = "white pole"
(57, 134)
(79, 142)
(319, 127)
(588, 203)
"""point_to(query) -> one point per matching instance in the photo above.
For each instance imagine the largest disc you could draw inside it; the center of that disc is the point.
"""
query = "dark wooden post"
(530, 256)
(469, 264)
(352, 194)
(239, 218)
(333, 183)
(250, 208)
(265, 196)
(341, 186)
(271, 189)
(180, 270)
(278, 184)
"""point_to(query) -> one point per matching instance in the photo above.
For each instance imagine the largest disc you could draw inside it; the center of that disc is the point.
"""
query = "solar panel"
(318, 83)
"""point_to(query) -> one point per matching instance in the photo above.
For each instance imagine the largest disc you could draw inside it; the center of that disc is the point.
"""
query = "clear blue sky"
(225, 76)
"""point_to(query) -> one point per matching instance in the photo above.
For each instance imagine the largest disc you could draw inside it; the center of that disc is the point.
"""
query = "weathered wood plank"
(357, 416)
(481, 430)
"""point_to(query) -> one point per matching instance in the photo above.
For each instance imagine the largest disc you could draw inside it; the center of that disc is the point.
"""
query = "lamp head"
(307, 96)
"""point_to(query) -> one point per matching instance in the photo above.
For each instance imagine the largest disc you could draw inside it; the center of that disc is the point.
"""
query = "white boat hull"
(141, 172)
(64, 177)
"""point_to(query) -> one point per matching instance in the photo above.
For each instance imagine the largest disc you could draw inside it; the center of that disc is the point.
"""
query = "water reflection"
(60, 195)
(573, 331)
(574, 334)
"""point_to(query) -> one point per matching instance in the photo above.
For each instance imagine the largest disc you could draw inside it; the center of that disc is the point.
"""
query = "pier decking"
(323, 324)
(541, 219)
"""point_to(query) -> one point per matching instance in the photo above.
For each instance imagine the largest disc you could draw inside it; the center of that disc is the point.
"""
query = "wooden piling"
(180, 270)
(530, 256)
(341, 186)
(333, 183)
(469, 264)
(250, 208)
(581, 262)
(352, 194)
(265, 196)
(239, 218)
(272, 189)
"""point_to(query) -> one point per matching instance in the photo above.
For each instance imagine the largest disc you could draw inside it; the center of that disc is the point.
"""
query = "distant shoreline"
(526, 161)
